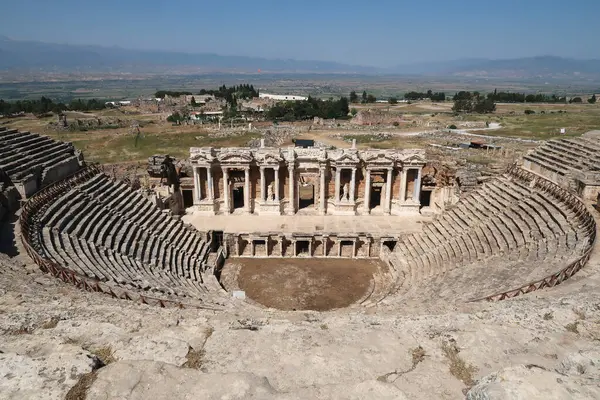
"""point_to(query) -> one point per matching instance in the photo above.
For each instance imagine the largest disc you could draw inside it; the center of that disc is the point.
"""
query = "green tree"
(353, 97)
(353, 112)
(473, 102)
(364, 96)
(193, 102)
(592, 100)
(393, 100)
(576, 100)
(371, 99)
(175, 117)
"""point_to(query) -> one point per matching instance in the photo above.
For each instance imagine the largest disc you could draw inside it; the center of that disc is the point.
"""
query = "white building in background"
(281, 97)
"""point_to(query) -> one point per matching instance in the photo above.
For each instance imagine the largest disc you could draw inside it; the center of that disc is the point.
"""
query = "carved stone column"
(417, 195)
(197, 186)
(388, 192)
(322, 209)
(210, 192)
(263, 186)
(403, 186)
(276, 172)
(367, 192)
(338, 172)
(352, 185)
(292, 183)
(226, 193)
(247, 189)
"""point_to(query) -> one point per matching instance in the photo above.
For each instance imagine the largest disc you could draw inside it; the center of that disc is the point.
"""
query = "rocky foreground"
(58, 342)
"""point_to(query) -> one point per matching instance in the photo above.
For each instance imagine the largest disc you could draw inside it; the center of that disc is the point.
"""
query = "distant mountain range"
(49, 57)
(528, 67)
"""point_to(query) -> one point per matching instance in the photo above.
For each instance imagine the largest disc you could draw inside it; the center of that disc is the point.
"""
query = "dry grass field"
(116, 144)
(121, 145)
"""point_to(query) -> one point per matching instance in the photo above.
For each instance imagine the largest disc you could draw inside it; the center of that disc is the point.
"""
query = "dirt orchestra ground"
(306, 284)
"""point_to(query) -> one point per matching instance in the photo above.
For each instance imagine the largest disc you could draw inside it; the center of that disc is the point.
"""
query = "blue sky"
(375, 32)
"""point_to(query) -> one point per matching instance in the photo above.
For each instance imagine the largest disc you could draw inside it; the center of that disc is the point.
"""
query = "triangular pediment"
(414, 159)
(378, 158)
(202, 157)
(269, 158)
(347, 158)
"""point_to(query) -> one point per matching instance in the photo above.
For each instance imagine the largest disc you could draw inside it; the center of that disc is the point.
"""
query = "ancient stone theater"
(377, 228)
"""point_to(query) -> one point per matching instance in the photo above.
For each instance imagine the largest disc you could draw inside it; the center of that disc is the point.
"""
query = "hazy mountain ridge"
(31, 55)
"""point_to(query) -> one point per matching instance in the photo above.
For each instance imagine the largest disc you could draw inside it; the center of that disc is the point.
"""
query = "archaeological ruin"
(523, 230)
(311, 181)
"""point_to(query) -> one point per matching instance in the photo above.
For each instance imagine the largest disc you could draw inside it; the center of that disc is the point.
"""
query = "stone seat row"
(505, 219)
(120, 270)
(30, 150)
(564, 155)
(126, 232)
(571, 154)
(32, 161)
(533, 215)
(105, 230)
(548, 164)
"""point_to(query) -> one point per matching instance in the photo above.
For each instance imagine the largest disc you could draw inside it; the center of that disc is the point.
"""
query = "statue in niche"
(345, 192)
(270, 193)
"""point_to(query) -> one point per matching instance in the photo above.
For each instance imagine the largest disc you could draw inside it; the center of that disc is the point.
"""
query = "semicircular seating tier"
(573, 163)
(517, 233)
(31, 161)
(104, 231)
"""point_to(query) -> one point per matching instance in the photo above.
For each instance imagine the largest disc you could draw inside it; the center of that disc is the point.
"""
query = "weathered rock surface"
(523, 382)
(545, 345)
(137, 380)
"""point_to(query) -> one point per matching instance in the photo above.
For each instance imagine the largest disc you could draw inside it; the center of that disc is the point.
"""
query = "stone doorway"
(376, 191)
(238, 197)
(216, 241)
(188, 197)
(425, 198)
(306, 196)
(303, 248)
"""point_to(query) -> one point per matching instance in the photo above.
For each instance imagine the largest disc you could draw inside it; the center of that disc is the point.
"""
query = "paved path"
(376, 225)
